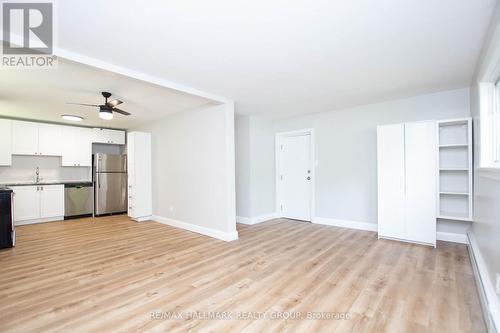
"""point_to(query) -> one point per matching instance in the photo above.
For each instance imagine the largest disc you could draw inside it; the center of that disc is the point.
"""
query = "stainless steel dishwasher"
(78, 200)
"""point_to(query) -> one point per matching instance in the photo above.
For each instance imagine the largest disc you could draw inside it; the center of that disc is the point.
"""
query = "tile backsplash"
(23, 169)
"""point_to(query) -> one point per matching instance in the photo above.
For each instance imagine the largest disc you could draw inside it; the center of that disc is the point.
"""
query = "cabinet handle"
(38, 188)
(41, 187)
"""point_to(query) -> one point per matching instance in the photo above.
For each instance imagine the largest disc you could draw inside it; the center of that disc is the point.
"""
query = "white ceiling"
(278, 57)
(43, 94)
(286, 57)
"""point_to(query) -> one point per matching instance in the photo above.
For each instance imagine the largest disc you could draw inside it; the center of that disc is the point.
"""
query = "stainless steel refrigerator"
(110, 184)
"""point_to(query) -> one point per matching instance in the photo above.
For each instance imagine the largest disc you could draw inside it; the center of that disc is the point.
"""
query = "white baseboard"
(451, 237)
(345, 223)
(47, 219)
(222, 235)
(143, 218)
(488, 297)
(257, 219)
(442, 236)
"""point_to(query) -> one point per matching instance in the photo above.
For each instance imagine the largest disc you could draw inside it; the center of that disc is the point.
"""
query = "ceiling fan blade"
(125, 113)
(114, 103)
(95, 105)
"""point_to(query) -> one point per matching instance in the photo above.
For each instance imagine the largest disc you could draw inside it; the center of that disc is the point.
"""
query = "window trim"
(489, 112)
(495, 125)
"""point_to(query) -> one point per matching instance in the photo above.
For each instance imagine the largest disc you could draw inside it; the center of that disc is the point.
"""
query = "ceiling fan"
(106, 110)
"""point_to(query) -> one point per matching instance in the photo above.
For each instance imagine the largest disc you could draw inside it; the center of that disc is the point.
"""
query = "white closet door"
(391, 177)
(421, 181)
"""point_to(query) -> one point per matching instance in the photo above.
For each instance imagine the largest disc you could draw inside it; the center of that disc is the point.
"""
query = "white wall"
(254, 166)
(486, 226)
(262, 166)
(23, 169)
(193, 168)
(242, 150)
(346, 175)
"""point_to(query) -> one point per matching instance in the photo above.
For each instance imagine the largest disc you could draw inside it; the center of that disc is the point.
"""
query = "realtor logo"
(28, 35)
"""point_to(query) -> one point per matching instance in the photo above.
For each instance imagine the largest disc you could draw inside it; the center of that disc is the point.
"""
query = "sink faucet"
(37, 173)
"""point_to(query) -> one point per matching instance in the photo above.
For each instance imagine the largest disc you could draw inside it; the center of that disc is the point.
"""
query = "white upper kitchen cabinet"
(26, 203)
(29, 138)
(103, 135)
(24, 138)
(51, 201)
(50, 139)
(6, 142)
(77, 146)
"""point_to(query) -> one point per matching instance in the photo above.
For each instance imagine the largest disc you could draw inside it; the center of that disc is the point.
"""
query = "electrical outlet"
(498, 283)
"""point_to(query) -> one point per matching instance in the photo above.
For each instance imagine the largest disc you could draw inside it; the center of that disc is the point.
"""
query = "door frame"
(278, 192)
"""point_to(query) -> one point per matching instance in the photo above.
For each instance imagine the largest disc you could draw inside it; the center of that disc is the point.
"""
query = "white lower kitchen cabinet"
(51, 201)
(40, 203)
(26, 203)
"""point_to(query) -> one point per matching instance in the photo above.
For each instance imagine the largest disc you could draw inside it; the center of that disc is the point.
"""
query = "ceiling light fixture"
(106, 114)
(71, 117)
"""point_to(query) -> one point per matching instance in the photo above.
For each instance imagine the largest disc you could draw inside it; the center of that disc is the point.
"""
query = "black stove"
(7, 232)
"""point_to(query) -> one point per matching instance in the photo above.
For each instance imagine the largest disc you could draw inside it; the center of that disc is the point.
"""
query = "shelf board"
(453, 193)
(455, 145)
(456, 217)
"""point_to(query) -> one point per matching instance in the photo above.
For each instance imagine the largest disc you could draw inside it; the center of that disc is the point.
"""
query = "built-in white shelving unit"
(455, 169)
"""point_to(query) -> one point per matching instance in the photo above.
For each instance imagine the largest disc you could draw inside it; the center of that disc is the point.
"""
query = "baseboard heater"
(488, 318)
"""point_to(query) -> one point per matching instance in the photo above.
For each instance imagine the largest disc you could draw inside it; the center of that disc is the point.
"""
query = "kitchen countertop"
(43, 182)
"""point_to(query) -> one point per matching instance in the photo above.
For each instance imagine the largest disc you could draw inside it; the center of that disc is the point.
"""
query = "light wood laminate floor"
(112, 274)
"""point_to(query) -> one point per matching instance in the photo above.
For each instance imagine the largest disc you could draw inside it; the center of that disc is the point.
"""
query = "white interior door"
(391, 180)
(296, 177)
(421, 181)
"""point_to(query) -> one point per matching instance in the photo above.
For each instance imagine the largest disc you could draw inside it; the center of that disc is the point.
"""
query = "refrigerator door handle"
(98, 180)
